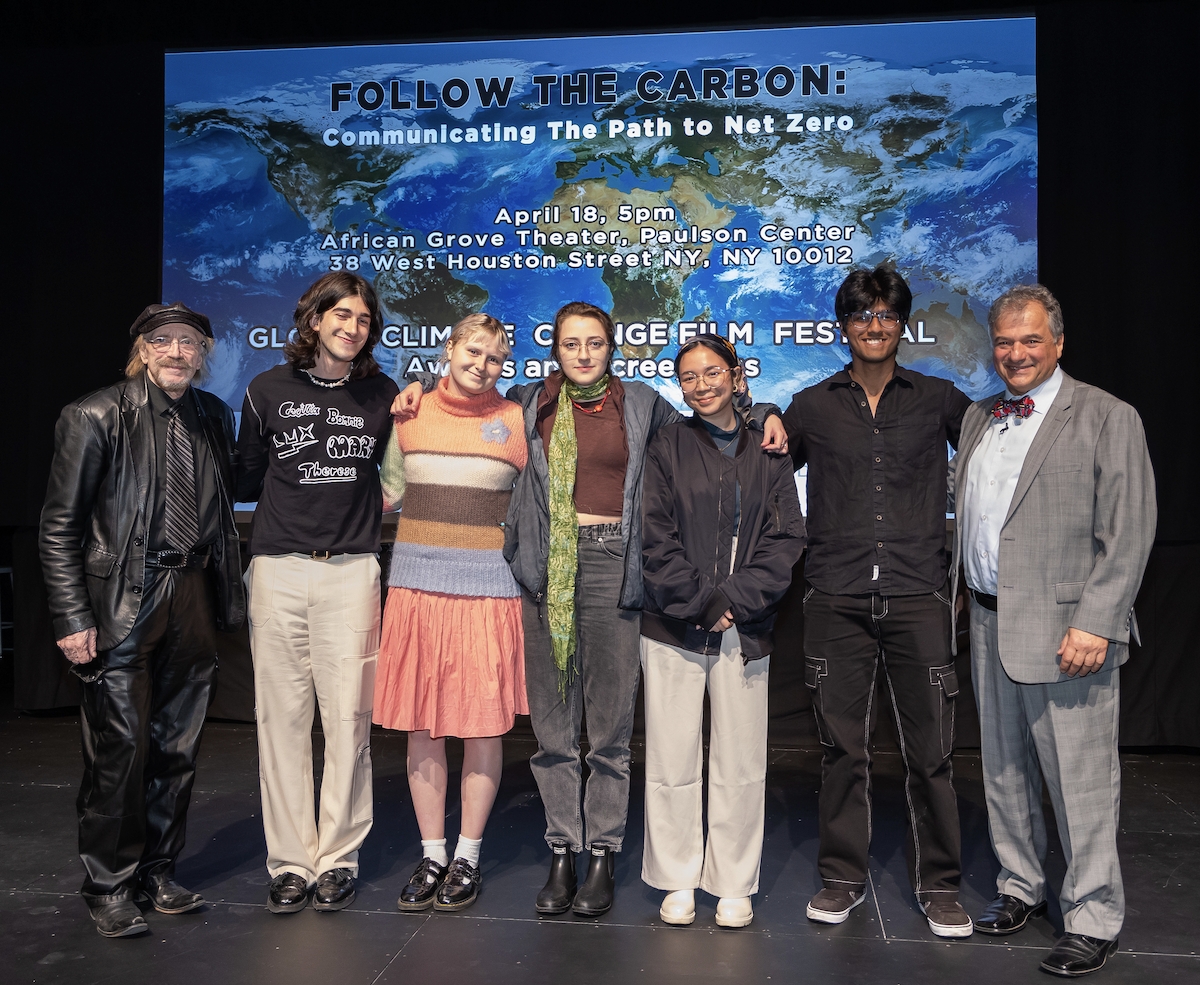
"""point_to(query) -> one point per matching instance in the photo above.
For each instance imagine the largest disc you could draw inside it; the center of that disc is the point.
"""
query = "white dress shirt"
(991, 481)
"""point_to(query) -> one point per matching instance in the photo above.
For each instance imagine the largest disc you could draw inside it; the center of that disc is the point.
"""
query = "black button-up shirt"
(206, 474)
(876, 484)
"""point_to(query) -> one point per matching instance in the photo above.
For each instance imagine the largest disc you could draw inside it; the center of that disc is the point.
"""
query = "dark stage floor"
(46, 936)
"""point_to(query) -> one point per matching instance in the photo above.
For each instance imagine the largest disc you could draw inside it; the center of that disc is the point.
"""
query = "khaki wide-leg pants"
(675, 856)
(314, 633)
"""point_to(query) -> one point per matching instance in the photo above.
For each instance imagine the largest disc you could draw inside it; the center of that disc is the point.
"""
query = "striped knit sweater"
(453, 466)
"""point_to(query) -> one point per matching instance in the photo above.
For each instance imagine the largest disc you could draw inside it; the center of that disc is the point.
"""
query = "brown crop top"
(603, 449)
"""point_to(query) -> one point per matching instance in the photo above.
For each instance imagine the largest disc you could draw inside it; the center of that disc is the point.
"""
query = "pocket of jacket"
(98, 564)
(945, 679)
(1066, 592)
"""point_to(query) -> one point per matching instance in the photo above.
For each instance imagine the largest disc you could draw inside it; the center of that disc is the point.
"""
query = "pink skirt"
(452, 664)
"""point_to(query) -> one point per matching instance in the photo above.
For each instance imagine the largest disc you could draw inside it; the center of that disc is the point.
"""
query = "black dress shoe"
(168, 896)
(119, 919)
(559, 892)
(1007, 914)
(334, 890)
(289, 893)
(595, 896)
(460, 888)
(422, 886)
(1076, 955)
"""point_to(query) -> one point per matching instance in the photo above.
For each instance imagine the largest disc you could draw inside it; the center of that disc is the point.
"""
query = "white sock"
(468, 848)
(436, 850)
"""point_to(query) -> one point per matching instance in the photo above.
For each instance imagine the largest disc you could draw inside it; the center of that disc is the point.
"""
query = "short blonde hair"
(478, 324)
(135, 365)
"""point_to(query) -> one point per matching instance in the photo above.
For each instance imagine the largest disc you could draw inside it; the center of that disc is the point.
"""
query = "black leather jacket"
(98, 501)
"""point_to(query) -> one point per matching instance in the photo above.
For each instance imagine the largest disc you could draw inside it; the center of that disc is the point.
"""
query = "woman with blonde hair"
(451, 659)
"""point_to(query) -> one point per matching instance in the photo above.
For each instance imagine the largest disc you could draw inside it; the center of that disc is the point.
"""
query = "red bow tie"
(1021, 407)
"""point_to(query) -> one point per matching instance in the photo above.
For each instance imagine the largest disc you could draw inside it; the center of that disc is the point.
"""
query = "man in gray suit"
(1056, 515)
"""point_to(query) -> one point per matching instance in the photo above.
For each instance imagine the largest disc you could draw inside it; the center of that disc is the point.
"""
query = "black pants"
(141, 723)
(847, 641)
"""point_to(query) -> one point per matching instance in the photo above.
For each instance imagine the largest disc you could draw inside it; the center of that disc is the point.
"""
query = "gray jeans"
(604, 688)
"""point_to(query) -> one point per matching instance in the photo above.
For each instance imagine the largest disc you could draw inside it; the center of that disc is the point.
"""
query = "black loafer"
(559, 892)
(1076, 954)
(289, 893)
(422, 886)
(334, 890)
(595, 896)
(119, 919)
(460, 888)
(1007, 914)
(167, 896)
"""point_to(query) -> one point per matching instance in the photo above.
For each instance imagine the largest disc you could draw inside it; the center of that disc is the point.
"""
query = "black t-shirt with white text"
(310, 455)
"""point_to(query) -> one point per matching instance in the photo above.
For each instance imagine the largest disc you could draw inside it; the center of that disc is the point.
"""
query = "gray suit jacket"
(1078, 533)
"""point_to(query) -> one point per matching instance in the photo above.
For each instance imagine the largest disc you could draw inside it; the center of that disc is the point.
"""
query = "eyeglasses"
(571, 347)
(712, 378)
(887, 319)
(163, 344)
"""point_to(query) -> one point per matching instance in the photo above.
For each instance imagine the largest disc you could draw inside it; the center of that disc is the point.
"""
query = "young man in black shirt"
(312, 436)
(874, 438)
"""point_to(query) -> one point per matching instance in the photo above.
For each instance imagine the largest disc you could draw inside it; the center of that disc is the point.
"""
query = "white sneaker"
(679, 908)
(734, 912)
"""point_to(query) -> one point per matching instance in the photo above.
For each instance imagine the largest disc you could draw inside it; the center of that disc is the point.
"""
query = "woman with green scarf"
(574, 543)
(573, 540)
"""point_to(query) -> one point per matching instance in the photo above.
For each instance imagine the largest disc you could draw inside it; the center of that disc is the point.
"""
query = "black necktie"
(182, 519)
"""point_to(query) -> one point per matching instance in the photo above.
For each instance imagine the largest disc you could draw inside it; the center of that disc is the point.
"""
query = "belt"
(179, 559)
(987, 601)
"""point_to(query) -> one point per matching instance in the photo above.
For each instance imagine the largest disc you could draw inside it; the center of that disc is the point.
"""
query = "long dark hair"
(301, 351)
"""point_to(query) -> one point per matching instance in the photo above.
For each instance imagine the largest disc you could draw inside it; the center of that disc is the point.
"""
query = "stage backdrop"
(719, 181)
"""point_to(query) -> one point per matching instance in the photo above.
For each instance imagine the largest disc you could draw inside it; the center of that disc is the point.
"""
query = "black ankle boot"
(595, 896)
(559, 892)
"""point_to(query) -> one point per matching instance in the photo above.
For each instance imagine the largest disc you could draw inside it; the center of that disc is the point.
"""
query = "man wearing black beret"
(141, 560)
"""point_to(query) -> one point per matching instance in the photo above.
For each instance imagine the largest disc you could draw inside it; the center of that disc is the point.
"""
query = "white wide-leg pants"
(314, 634)
(675, 855)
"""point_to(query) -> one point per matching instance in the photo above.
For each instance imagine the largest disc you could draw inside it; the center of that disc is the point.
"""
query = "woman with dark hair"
(573, 539)
(721, 530)
(452, 660)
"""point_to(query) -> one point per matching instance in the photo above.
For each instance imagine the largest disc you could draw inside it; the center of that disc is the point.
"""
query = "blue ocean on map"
(923, 153)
